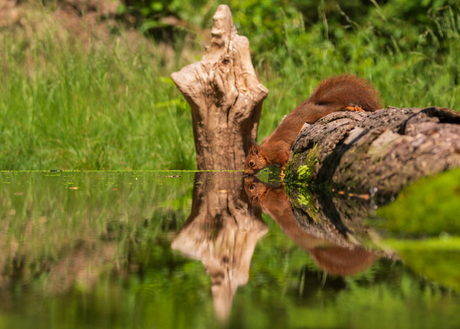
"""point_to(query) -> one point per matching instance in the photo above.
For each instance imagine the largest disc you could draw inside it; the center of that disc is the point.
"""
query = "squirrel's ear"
(254, 150)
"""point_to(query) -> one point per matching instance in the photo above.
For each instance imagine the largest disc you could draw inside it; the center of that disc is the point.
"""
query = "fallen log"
(376, 153)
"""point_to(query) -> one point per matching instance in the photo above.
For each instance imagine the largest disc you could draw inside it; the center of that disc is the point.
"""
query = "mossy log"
(376, 153)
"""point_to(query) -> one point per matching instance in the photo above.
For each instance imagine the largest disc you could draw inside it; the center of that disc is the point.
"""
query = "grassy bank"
(99, 104)
(66, 103)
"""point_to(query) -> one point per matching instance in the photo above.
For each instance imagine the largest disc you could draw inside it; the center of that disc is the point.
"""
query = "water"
(194, 250)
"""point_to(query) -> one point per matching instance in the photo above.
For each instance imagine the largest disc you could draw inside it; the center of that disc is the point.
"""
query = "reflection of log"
(225, 96)
(337, 218)
(221, 232)
(377, 152)
(331, 250)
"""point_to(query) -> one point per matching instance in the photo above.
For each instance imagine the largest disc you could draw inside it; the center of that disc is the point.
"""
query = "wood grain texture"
(380, 152)
(225, 97)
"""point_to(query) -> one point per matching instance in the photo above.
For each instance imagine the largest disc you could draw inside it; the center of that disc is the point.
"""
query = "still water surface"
(203, 250)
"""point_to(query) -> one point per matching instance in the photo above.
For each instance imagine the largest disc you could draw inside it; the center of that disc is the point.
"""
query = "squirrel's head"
(255, 189)
(255, 161)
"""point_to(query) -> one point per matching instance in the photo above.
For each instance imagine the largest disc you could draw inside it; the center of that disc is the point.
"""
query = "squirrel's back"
(337, 93)
(345, 90)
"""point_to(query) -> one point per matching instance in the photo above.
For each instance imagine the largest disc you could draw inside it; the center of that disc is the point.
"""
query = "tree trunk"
(225, 96)
(376, 153)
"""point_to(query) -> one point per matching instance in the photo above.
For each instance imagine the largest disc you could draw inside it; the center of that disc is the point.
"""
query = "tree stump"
(225, 97)
(376, 153)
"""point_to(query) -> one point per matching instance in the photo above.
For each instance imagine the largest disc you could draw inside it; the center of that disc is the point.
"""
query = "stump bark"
(225, 97)
(376, 153)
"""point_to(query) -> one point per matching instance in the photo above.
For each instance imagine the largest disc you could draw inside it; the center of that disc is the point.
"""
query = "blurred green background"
(86, 87)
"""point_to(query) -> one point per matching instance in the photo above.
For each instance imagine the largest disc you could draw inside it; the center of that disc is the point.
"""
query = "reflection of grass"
(429, 206)
(446, 243)
(41, 217)
(438, 259)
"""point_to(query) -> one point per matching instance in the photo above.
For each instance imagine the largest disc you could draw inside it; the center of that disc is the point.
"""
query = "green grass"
(435, 258)
(110, 104)
(101, 105)
(430, 206)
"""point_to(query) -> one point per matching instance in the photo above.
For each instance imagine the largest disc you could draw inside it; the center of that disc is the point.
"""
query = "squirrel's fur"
(337, 93)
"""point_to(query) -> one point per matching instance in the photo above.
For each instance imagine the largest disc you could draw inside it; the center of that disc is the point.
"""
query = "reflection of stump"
(222, 232)
(225, 96)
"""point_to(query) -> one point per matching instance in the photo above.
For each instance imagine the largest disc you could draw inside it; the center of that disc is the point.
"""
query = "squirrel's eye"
(252, 187)
(251, 163)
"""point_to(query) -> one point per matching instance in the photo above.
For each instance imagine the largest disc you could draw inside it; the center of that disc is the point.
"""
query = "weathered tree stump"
(379, 152)
(225, 96)
(221, 231)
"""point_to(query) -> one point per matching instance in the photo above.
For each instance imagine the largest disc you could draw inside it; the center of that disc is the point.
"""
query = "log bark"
(225, 97)
(376, 153)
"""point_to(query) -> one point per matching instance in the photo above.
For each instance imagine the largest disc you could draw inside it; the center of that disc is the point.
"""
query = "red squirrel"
(337, 93)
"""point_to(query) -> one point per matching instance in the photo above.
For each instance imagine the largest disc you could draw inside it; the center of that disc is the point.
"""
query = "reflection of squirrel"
(338, 93)
(329, 256)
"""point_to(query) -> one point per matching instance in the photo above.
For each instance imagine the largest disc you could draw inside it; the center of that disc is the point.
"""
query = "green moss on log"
(300, 166)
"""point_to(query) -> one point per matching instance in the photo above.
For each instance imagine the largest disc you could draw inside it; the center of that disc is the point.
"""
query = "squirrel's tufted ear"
(254, 150)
